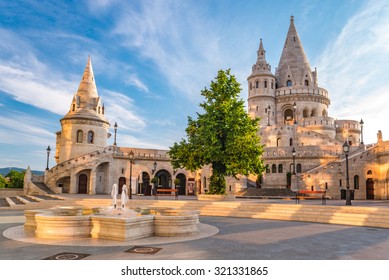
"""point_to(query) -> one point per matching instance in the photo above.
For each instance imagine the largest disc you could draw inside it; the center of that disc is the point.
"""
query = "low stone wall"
(11, 192)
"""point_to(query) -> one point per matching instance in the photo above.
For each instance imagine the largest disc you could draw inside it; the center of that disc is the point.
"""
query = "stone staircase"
(30, 201)
(253, 192)
(43, 187)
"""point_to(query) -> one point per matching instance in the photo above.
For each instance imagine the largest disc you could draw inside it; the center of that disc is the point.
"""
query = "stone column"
(92, 181)
(73, 183)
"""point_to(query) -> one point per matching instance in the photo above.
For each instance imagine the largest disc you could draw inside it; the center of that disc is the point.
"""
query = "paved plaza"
(234, 239)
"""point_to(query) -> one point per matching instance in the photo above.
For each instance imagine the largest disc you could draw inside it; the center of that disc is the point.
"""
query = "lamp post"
(346, 150)
(294, 112)
(131, 155)
(115, 127)
(294, 158)
(361, 123)
(268, 115)
(155, 167)
(48, 154)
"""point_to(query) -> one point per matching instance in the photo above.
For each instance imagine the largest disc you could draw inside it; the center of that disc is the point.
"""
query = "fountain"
(112, 223)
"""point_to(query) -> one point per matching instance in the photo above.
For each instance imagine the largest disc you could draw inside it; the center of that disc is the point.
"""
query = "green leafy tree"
(224, 136)
(3, 182)
(15, 179)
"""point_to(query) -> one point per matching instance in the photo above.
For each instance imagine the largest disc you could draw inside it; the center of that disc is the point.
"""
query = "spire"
(293, 58)
(87, 87)
(261, 66)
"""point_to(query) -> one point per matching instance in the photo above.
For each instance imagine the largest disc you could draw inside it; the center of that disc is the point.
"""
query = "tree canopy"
(224, 136)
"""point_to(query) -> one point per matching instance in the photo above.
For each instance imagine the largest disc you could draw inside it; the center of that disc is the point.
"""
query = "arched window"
(278, 142)
(90, 137)
(305, 113)
(256, 84)
(280, 168)
(369, 172)
(272, 84)
(324, 113)
(291, 142)
(356, 182)
(251, 86)
(313, 113)
(265, 84)
(298, 168)
(288, 115)
(306, 83)
(80, 136)
(267, 168)
(289, 83)
(74, 107)
(274, 168)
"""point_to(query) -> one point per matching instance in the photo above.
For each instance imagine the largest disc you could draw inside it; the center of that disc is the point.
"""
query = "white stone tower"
(84, 127)
(261, 92)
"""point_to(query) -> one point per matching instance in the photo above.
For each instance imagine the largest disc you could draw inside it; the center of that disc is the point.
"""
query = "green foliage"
(223, 136)
(177, 181)
(3, 182)
(15, 179)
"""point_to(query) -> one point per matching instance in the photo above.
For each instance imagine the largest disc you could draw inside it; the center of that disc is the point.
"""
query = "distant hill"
(4, 171)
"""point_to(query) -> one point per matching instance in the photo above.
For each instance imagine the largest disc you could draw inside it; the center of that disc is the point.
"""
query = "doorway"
(122, 181)
(369, 188)
(82, 184)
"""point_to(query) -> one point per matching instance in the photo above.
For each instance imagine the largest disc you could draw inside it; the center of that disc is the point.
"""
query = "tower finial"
(291, 18)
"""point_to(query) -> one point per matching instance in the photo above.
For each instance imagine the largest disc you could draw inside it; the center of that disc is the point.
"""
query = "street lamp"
(294, 112)
(294, 158)
(346, 150)
(361, 123)
(48, 154)
(268, 115)
(115, 127)
(131, 155)
(155, 167)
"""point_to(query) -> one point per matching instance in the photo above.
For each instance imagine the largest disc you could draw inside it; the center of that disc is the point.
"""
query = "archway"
(164, 179)
(102, 174)
(82, 184)
(122, 181)
(144, 184)
(182, 184)
(64, 183)
(288, 116)
(369, 188)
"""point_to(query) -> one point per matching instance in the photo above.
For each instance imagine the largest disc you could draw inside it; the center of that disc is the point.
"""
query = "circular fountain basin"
(109, 223)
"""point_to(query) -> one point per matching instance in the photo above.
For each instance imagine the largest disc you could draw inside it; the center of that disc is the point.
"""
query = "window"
(369, 172)
(265, 84)
(313, 113)
(256, 84)
(74, 107)
(305, 113)
(267, 168)
(80, 136)
(90, 137)
(251, 86)
(324, 113)
(289, 83)
(298, 168)
(306, 83)
(272, 84)
(278, 142)
(291, 142)
(274, 168)
(280, 168)
(356, 182)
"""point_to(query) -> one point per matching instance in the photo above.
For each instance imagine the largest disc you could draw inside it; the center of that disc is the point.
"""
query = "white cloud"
(120, 109)
(354, 68)
(135, 81)
(182, 44)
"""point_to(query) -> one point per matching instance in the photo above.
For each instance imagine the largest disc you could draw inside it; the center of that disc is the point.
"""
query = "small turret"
(261, 97)
(84, 127)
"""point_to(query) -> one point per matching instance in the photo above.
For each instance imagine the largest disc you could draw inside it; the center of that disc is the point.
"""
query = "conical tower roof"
(261, 66)
(87, 87)
(293, 65)
(86, 103)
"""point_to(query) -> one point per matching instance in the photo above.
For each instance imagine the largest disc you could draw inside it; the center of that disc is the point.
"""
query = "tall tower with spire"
(84, 128)
(262, 85)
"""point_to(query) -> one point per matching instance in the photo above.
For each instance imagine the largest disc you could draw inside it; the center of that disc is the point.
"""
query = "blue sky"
(152, 58)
